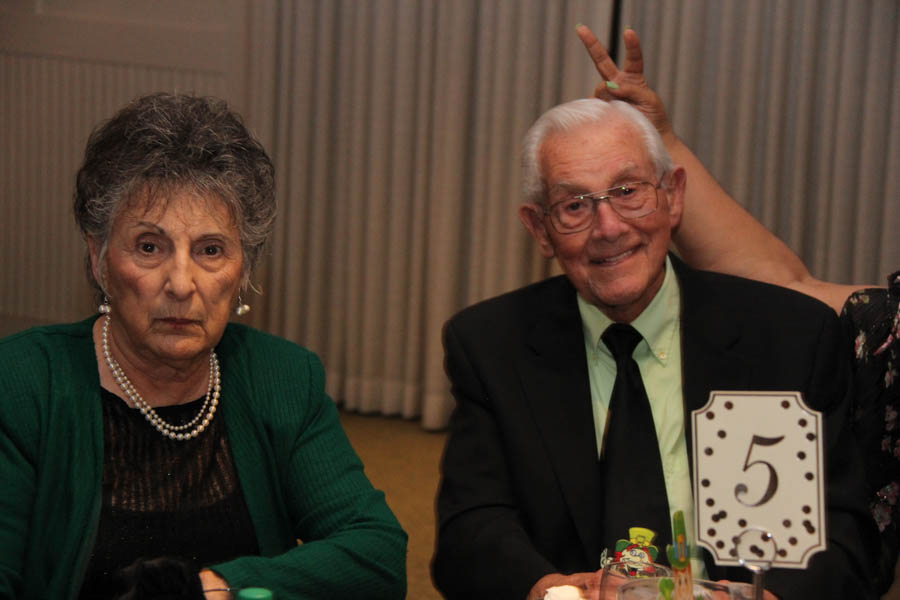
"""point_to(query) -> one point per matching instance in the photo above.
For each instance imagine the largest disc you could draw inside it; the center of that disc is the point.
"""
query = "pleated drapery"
(795, 106)
(395, 128)
(396, 131)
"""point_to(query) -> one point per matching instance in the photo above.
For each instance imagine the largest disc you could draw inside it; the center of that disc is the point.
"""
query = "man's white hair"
(570, 115)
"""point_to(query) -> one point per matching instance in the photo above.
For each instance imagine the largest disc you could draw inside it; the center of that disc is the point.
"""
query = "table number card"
(758, 478)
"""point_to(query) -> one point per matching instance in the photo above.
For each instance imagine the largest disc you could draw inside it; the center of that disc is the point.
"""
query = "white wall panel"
(64, 67)
(49, 107)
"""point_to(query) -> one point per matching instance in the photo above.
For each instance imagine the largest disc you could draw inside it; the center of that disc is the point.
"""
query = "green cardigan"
(299, 474)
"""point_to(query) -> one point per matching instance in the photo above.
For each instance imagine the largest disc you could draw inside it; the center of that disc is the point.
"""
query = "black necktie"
(634, 487)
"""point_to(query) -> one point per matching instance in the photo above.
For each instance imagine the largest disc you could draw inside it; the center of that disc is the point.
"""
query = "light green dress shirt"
(658, 357)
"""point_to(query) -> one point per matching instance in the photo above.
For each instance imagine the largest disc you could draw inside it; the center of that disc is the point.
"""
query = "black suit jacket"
(519, 492)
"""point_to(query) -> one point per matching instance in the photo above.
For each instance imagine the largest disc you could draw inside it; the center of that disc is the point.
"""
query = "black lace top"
(165, 498)
(872, 323)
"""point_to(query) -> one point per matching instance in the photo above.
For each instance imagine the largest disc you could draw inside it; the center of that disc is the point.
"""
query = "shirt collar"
(658, 324)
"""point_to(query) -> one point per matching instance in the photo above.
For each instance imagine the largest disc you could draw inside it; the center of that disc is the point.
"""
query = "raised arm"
(716, 233)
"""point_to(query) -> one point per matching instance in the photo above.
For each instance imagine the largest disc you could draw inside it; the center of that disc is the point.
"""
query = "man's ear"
(675, 184)
(94, 250)
(532, 216)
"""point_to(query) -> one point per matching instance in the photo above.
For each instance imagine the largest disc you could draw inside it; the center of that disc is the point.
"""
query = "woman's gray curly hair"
(162, 143)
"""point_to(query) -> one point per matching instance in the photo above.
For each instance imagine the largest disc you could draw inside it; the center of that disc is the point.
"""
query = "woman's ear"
(94, 250)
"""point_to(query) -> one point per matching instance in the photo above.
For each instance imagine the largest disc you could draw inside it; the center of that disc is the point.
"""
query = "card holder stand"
(752, 555)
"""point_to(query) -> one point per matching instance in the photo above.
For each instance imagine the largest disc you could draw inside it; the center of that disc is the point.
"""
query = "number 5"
(741, 488)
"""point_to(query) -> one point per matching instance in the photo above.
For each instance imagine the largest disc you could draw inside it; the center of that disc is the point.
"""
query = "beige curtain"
(795, 106)
(395, 128)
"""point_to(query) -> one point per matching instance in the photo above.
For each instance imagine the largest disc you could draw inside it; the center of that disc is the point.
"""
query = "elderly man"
(571, 428)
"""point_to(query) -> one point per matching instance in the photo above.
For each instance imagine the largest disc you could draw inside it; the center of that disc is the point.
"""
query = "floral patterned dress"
(872, 321)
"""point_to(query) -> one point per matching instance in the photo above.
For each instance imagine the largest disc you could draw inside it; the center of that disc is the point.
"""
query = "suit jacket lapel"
(712, 357)
(556, 386)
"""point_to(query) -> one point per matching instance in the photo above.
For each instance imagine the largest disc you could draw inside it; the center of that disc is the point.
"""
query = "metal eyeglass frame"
(596, 198)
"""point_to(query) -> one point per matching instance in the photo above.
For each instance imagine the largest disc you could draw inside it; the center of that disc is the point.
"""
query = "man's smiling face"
(617, 264)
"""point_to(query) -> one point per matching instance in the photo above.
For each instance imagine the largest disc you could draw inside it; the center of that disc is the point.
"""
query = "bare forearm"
(717, 234)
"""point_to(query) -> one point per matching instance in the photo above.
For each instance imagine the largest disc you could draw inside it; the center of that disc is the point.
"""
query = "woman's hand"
(628, 84)
(217, 586)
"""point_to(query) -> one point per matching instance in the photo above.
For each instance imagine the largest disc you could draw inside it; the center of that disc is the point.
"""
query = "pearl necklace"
(174, 432)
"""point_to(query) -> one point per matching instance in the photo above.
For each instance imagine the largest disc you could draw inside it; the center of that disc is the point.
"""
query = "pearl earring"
(241, 309)
(104, 308)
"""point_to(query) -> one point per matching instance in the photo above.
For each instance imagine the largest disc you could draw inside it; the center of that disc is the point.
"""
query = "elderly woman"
(160, 431)
(717, 234)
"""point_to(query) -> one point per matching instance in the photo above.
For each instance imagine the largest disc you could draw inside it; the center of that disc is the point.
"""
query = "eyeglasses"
(629, 201)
